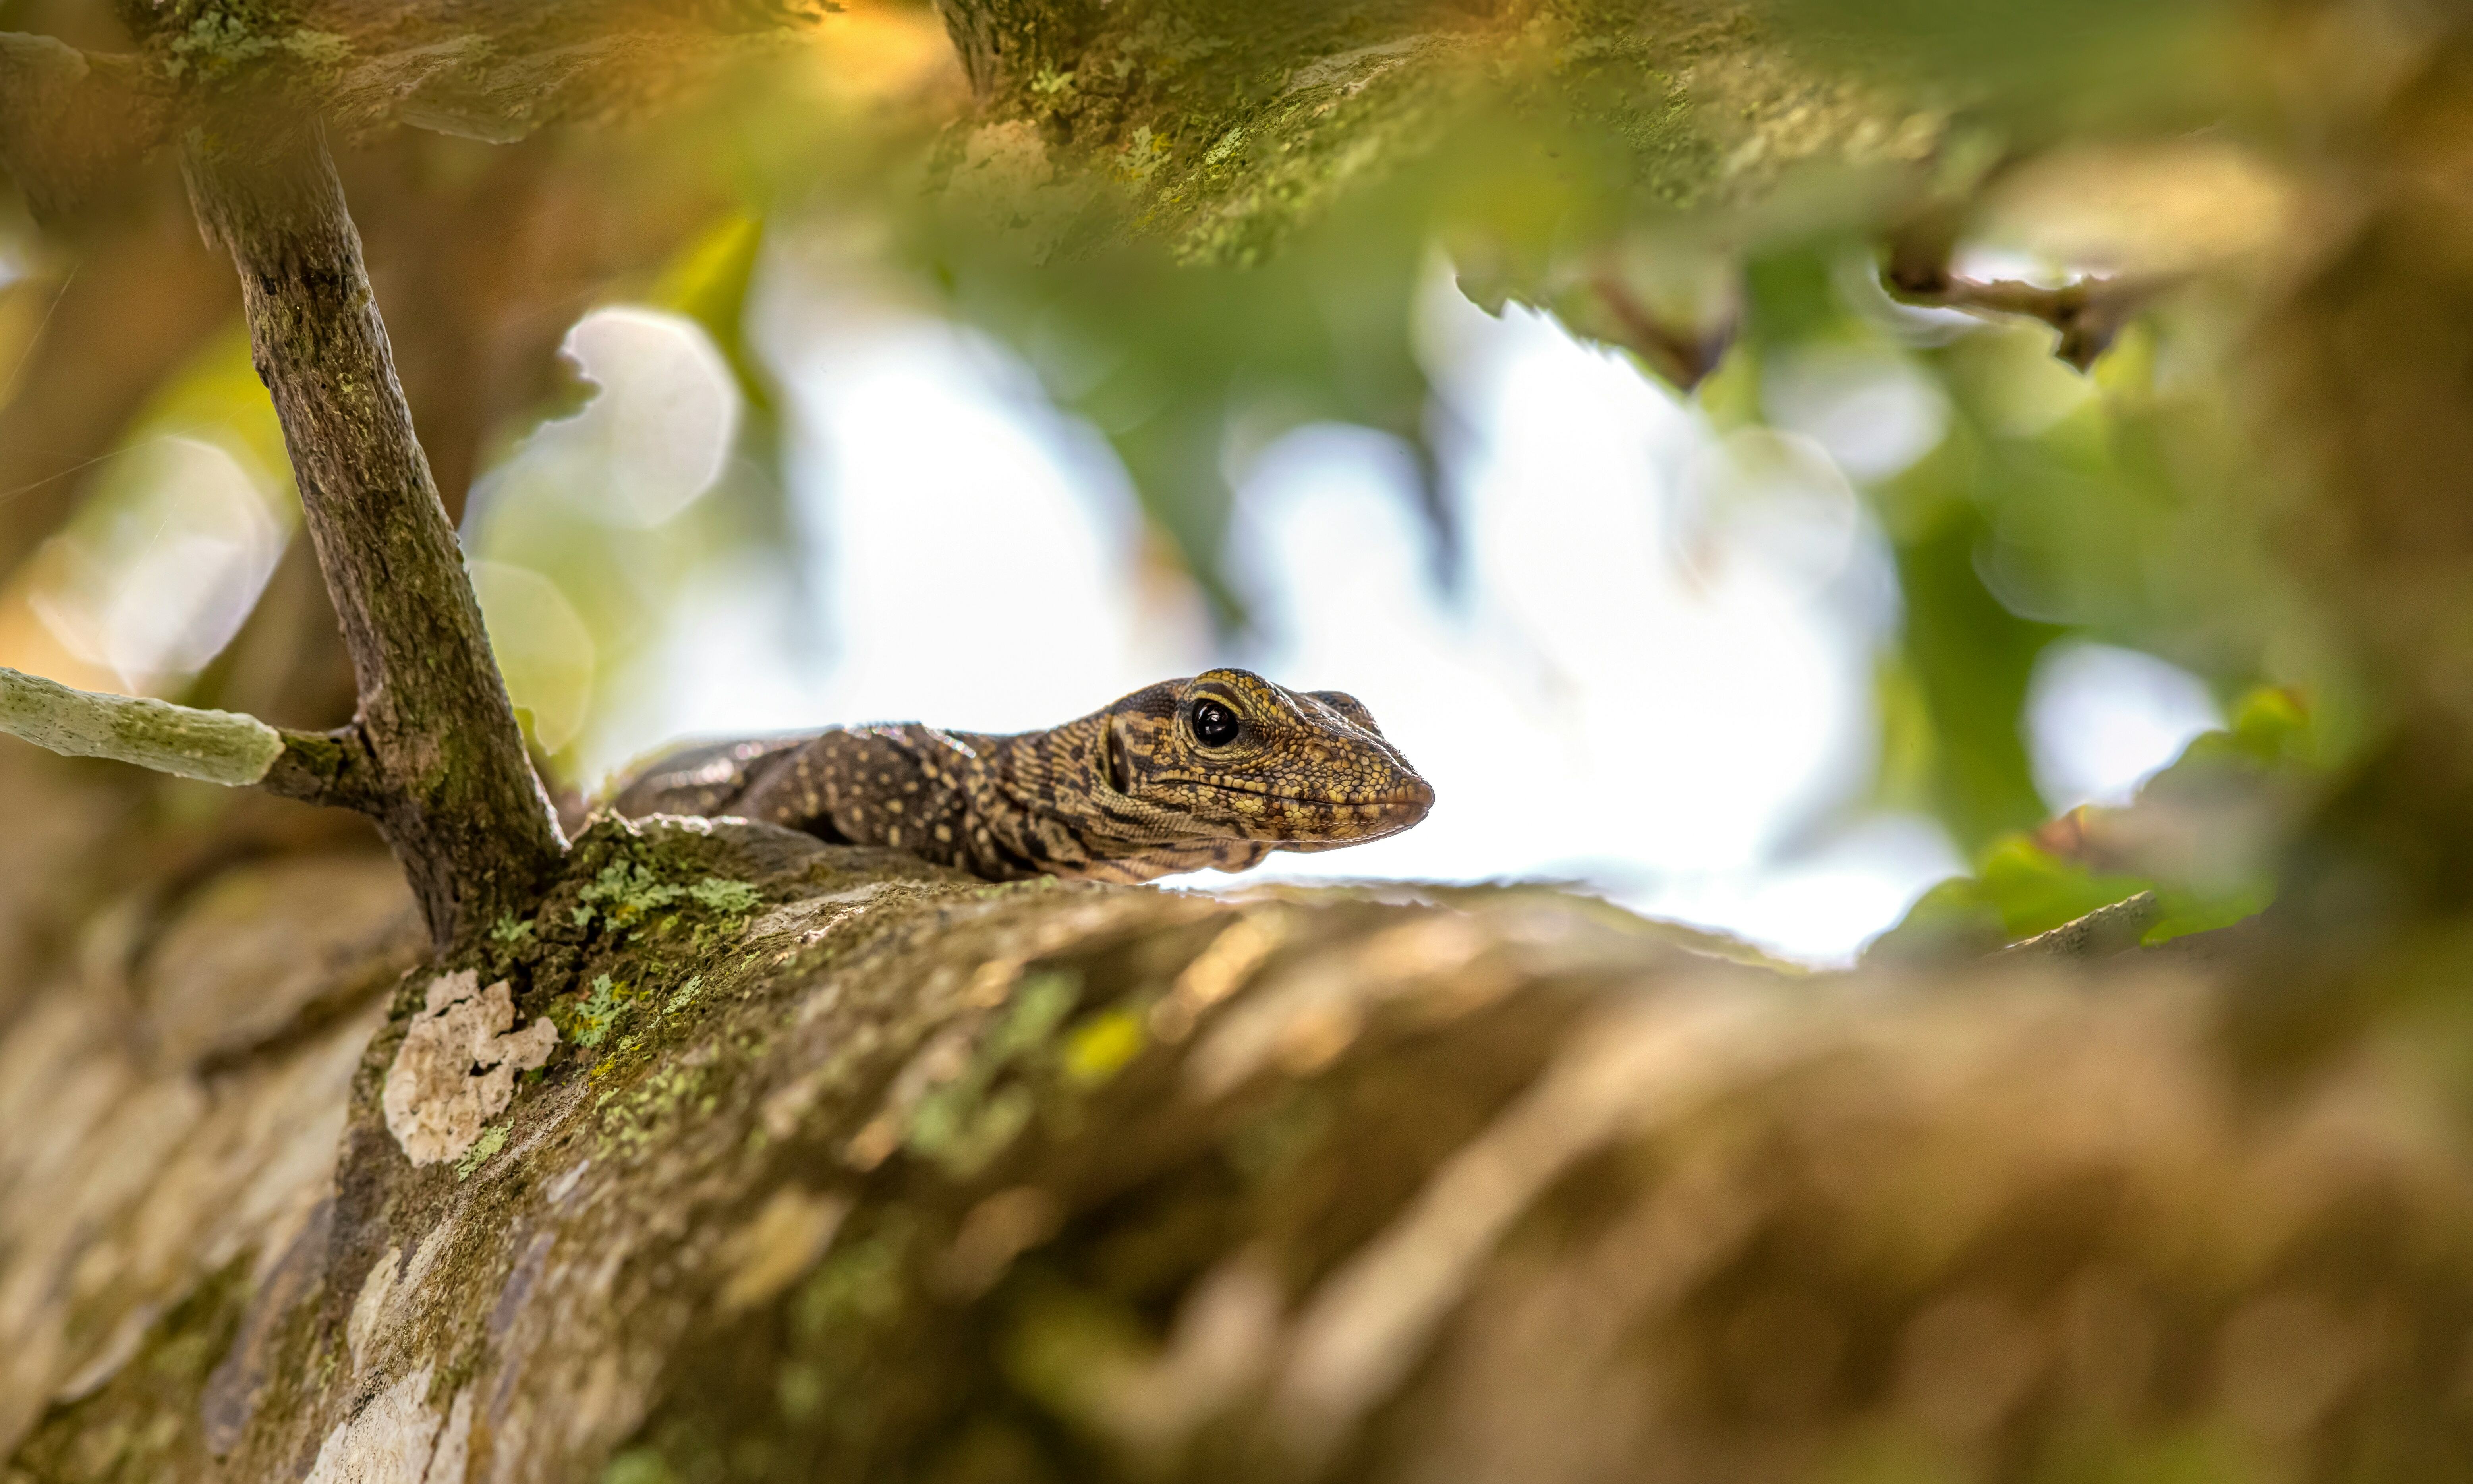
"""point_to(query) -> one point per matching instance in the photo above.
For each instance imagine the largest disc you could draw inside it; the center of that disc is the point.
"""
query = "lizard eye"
(1214, 725)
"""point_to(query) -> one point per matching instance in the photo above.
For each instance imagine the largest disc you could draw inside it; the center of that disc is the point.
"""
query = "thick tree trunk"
(842, 1169)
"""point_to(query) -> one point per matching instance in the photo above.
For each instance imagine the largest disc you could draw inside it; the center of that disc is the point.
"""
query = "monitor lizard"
(1218, 769)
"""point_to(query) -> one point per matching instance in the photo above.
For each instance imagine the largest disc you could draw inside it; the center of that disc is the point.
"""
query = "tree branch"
(445, 769)
(219, 747)
(2090, 313)
(214, 747)
(1684, 356)
(1005, 43)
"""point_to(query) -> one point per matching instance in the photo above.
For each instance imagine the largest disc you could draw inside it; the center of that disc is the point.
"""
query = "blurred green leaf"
(708, 281)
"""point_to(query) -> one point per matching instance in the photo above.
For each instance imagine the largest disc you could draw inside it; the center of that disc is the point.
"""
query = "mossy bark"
(449, 782)
(846, 1169)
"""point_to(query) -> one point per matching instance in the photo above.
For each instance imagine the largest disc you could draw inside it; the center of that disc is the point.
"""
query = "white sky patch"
(659, 432)
(980, 552)
(2103, 720)
(1869, 407)
(1656, 679)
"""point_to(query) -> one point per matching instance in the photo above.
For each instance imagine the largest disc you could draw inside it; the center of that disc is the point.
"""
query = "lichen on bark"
(882, 1171)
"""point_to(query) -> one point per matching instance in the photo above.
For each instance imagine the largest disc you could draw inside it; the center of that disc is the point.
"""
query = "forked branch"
(435, 755)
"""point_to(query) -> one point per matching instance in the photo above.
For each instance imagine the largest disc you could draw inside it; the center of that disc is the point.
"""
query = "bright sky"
(1655, 680)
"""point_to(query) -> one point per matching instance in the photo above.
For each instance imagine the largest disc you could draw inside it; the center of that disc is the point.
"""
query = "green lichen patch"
(967, 1121)
(219, 38)
(493, 1139)
(593, 1017)
(626, 893)
(633, 1119)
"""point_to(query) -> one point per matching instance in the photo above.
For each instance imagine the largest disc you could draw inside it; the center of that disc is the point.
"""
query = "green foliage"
(2019, 890)
(2204, 835)
(221, 39)
(632, 1118)
(708, 281)
(1970, 660)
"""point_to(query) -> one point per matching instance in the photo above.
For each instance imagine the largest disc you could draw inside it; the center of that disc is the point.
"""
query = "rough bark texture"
(458, 798)
(1005, 47)
(847, 1170)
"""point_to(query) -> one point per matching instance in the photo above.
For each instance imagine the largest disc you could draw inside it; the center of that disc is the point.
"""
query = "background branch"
(70, 120)
(2088, 313)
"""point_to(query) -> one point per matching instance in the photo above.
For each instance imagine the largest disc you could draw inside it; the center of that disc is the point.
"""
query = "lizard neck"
(1051, 797)
(1001, 808)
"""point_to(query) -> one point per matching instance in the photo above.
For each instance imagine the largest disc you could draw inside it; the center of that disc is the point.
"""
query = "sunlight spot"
(2103, 720)
(661, 430)
(158, 570)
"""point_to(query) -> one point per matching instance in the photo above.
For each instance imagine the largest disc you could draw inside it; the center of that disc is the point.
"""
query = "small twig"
(220, 747)
(2090, 313)
(1672, 352)
(216, 747)
(2099, 934)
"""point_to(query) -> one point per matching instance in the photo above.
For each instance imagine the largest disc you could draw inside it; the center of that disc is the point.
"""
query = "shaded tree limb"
(71, 120)
(1683, 355)
(452, 788)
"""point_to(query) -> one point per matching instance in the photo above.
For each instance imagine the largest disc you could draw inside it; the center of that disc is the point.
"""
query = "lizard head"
(1226, 754)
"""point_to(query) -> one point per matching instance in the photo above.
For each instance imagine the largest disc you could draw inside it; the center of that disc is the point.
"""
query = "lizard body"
(1218, 769)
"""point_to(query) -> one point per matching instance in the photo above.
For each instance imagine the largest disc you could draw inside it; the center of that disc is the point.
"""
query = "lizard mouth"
(1363, 819)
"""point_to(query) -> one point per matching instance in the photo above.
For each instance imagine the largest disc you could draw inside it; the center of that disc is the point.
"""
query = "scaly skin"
(1219, 770)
